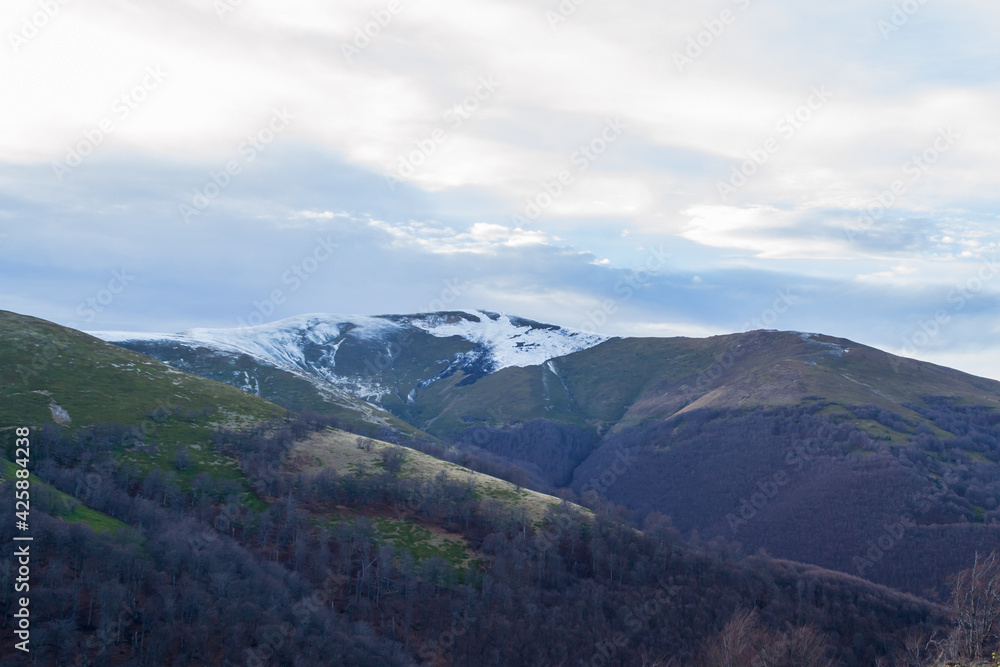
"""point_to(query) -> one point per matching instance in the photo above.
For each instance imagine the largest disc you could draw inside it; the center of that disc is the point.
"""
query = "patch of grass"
(881, 432)
(421, 542)
(508, 495)
(176, 433)
(98, 521)
(57, 503)
(330, 521)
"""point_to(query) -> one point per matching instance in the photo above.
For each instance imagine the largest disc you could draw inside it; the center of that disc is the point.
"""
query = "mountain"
(445, 371)
(812, 447)
(319, 361)
(241, 516)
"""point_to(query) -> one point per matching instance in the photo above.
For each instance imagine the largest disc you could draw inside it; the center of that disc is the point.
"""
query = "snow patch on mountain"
(501, 340)
(307, 345)
(280, 343)
(830, 349)
(505, 341)
(284, 342)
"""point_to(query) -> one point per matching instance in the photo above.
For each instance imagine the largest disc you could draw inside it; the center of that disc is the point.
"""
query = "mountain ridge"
(700, 422)
(412, 366)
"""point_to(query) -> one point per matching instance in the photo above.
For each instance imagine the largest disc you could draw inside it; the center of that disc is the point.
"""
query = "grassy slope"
(339, 450)
(605, 381)
(416, 534)
(94, 381)
(629, 381)
(883, 379)
(520, 394)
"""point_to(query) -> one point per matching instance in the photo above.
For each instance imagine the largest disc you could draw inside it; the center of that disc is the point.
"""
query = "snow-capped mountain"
(502, 340)
(372, 357)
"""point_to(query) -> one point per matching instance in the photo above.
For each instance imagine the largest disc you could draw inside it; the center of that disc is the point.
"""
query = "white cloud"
(481, 237)
(555, 91)
(756, 230)
(227, 73)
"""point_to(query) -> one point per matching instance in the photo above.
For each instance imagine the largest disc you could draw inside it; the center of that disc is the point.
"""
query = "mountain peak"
(324, 345)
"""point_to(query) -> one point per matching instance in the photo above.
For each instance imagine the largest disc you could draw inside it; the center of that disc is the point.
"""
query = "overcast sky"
(630, 167)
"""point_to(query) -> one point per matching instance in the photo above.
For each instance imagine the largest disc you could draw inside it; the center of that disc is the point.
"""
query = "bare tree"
(735, 644)
(975, 602)
(392, 460)
(802, 646)
(745, 642)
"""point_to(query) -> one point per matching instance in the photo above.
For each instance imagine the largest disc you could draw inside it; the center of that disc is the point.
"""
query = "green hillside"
(629, 381)
(650, 379)
(44, 366)
(53, 373)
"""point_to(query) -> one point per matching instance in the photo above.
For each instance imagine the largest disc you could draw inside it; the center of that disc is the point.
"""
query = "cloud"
(415, 153)
(480, 238)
